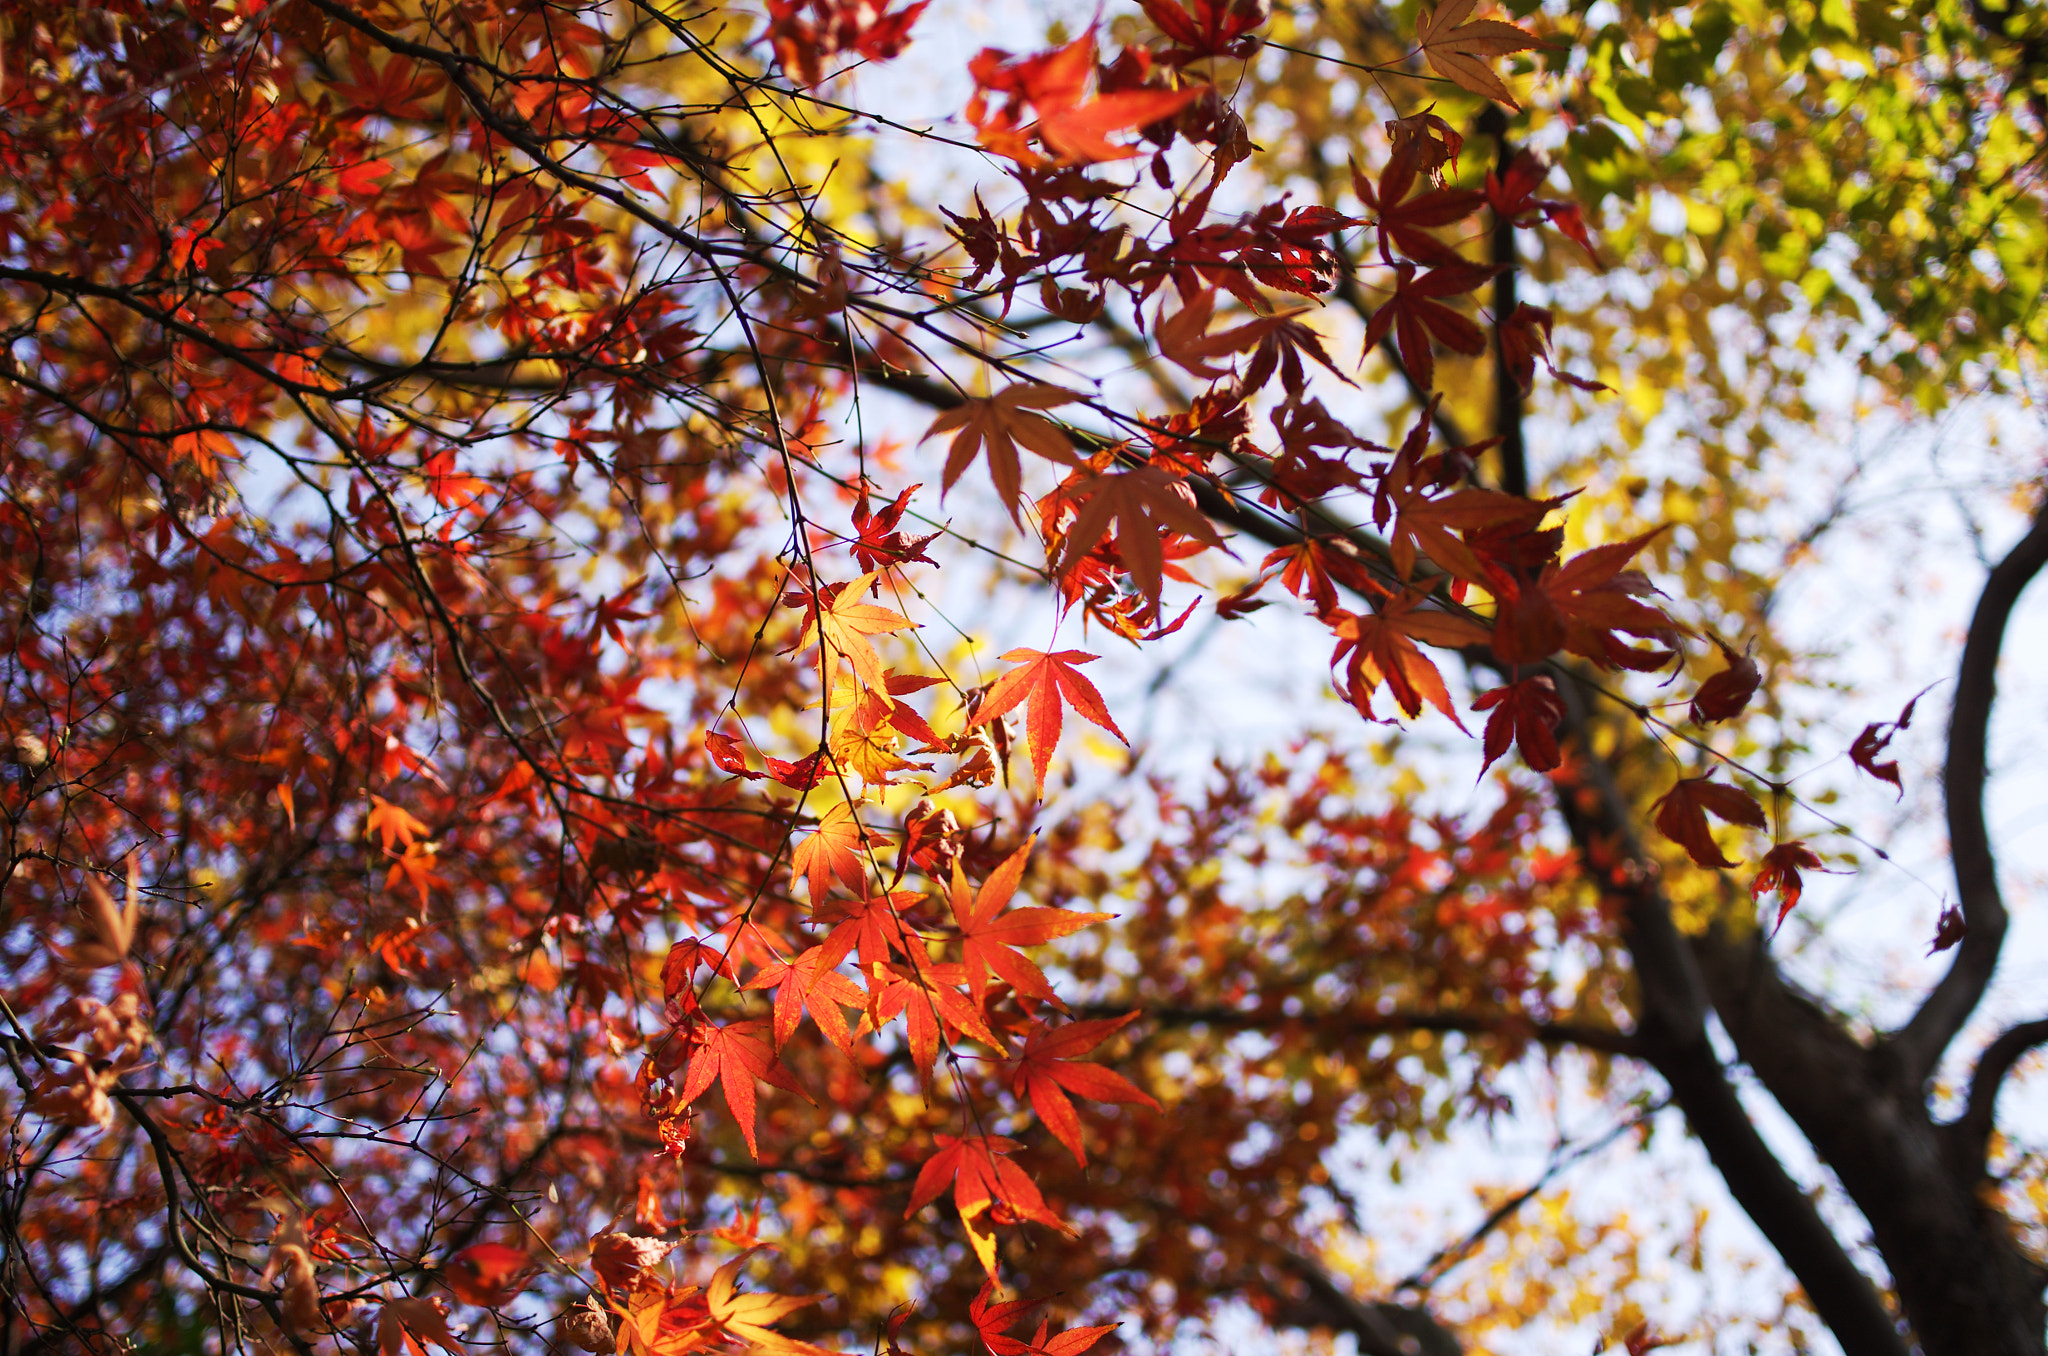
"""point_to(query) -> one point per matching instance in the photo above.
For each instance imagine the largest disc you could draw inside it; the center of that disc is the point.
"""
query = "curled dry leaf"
(621, 1261)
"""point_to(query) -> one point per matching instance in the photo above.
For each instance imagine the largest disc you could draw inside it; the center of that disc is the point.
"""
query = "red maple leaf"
(1148, 506)
(1682, 816)
(1415, 315)
(812, 981)
(928, 997)
(1780, 872)
(734, 1056)
(879, 541)
(1045, 682)
(981, 1175)
(1047, 1071)
(1526, 713)
(991, 1321)
(1382, 649)
(989, 936)
(1725, 694)
(802, 42)
(1875, 739)
(1206, 28)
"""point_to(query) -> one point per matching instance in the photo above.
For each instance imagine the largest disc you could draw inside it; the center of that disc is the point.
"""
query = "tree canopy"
(560, 559)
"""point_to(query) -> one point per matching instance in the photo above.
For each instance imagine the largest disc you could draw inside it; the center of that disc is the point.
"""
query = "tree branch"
(1970, 1133)
(1604, 1040)
(1919, 1044)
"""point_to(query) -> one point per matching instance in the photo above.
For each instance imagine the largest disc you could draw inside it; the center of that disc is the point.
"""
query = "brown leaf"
(1455, 45)
(1000, 423)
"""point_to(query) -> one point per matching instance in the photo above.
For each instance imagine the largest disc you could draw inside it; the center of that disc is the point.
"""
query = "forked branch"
(1919, 1044)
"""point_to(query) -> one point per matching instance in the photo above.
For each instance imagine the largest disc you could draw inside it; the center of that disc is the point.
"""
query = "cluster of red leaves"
(382, 756)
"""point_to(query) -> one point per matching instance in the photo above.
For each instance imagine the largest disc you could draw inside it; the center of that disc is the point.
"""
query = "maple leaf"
(1526, 713)
(1421, 522)
(843, 619)
(1047, 1071)
(1949, 929)
(992, 1321)
(812, 982)
(392, 823)
(1876, 738)
(728, 754)
(1046, 682)
(1725, 694)
(489, 1274)
(981, 1175)
(1054, 83)
(1681, 816)
(1410, 222)
(112, 930)
(1415, 315)
(874, 923)
(928, 997)
(624, 1261)
(1000, 423)
(734, 1056)
(802, 42)
(1382, 648)
(1578, 605)
(747, 1316)
(833, 852)
(1780, 871)
(406, 1326)
(989, 936)
(1146, 505)
(665, 1321)
(1206, 28)
(1454, 45)
(879, 541)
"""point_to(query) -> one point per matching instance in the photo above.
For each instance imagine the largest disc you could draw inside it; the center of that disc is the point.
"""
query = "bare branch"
(1971, 1132)
(1920, 1044)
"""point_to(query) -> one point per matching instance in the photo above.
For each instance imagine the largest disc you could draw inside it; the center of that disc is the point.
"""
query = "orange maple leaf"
(1455, 45)
(843, 620)
(1382, 648)
(1047, 1071)
(1045, 681)
(1682, 816)
(812, 981)
(1146, 505)
(392, 823)
(734, 1056)
(1054, 83)
(832, 853)
(489, 1274)
(1000, 423)
(988, 935)
(747, 1316)
(980, 1175)
(405, 1326)
(929, 998)
(991, 1321)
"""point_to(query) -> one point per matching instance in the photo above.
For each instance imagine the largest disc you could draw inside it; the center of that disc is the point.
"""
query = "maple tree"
(500, 849)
